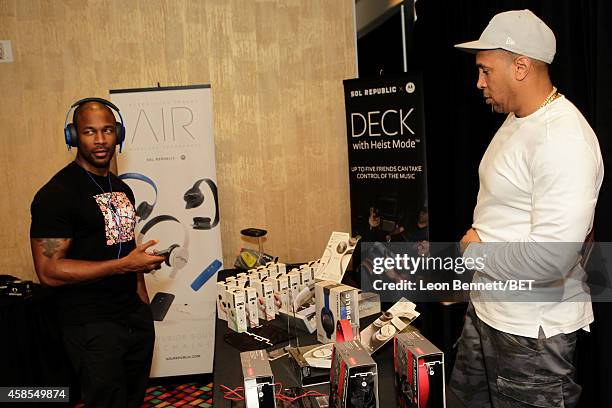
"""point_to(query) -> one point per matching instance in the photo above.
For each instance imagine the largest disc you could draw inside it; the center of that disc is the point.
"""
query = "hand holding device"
(165, 253)
(141, 261)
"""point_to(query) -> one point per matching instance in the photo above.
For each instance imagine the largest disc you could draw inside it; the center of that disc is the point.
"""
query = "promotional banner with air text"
(169, 162)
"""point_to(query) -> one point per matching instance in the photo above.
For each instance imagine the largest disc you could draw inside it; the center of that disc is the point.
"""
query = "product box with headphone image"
(336, 257)
(236, 310)
(334, 303)
(419, 371)
(259, 391)
(265, 294)
(221, 301)
(312, 363)
(388, 324)
(353, 377)
(280, 282)
(294, 284)
(252, 310)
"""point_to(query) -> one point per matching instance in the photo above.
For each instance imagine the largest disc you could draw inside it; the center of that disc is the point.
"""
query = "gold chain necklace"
(551, 97)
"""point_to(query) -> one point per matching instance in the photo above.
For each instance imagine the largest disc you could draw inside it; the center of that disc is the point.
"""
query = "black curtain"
(459, 125)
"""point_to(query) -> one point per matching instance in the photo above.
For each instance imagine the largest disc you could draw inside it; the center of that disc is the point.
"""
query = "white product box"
(265, 292)
(294, 285)
(236, 312)
(221, 302)
(282, 290)
(305, 277)
(241, 281)
(252, 311)
(276, 268)
(270, 306)
(336, 257)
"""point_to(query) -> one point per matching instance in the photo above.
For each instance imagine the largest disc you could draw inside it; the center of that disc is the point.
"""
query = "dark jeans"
(497, 369)
(112, 359)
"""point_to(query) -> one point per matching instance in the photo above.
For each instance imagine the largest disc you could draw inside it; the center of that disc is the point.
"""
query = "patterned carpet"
(183, 395)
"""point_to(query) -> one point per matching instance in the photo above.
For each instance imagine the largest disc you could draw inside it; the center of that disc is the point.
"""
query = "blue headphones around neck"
(71, 131)
(144, 209)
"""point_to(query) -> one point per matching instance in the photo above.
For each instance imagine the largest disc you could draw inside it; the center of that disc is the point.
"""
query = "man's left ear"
(522, 66)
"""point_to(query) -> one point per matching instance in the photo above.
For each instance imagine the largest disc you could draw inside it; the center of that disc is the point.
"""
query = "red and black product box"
(419, 371)
(353, 377)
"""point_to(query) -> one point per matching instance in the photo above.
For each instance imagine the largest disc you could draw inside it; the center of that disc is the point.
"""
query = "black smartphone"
(160, 305)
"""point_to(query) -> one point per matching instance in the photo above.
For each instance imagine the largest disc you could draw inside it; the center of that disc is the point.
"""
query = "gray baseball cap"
(518, 31)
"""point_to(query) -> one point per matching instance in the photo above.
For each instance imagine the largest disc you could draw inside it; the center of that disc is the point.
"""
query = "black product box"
(308, 375)
(353, 377)
(419, 371)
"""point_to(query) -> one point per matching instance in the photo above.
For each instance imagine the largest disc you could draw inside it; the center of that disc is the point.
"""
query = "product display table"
(228, 371)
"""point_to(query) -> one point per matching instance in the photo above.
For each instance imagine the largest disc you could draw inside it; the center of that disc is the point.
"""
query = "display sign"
(387, 160)
(169, 162)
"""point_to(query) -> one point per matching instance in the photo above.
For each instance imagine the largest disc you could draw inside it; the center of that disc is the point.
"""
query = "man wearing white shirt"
(539, 182)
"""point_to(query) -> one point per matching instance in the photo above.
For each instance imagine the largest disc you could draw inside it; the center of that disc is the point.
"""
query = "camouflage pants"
(497, 369)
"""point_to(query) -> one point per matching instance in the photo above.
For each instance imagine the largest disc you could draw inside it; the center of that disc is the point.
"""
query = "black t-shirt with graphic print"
(75, 204)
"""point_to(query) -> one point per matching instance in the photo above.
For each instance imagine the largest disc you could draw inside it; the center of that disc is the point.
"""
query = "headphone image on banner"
(179, 254)
(144, 209)
(70, 130)
(327, 317)
(194, 198)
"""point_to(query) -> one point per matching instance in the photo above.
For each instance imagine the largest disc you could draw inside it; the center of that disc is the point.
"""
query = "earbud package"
(252, 311)
(353, 377)
(419, 371)
(268, 290)
(262, 272)
(253, 277)
(335, 302)
(281, 288)
(236, 311)
(294, 284)
(265, 291)
(241, 281)
(221, 302)
(276, 267)
(305, 276)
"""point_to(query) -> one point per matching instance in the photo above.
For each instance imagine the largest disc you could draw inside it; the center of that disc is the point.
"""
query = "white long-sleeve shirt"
(539, 182)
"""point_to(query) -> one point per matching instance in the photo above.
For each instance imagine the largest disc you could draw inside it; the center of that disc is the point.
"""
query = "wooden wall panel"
(276, 70)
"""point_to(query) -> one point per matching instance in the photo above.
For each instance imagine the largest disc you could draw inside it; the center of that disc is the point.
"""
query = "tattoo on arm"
(50, 245)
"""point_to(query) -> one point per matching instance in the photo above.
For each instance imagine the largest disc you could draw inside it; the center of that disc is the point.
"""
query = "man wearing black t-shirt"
(82, 237)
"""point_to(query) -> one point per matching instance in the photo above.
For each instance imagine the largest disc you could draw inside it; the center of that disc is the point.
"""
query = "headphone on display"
(194, 198)
(71, 131)
(422, 373)
(144, 209)
(179, 254)
(327, 317)
(344, 331)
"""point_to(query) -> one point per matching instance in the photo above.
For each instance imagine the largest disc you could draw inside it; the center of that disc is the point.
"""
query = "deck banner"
(387, 161)
(168, 160)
